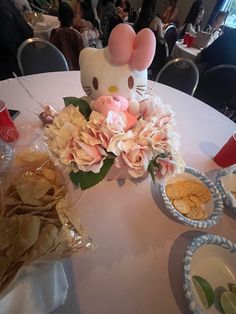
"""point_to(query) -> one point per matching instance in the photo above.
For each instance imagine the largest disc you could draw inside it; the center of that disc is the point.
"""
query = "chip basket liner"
(39, 289)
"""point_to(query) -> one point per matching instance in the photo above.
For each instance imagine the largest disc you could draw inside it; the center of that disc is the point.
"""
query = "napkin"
(229, 184)
(41, 288)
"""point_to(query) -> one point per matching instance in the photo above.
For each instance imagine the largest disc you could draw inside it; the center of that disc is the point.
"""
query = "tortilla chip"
(44, 242)
(49, 174)
(8, 231)
(4, 264)
(27, 235)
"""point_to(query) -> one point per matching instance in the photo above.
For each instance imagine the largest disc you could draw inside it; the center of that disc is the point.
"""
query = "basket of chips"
(37, 219)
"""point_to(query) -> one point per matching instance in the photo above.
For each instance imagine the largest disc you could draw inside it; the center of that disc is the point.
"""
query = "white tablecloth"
(182, 51)
(137, 266)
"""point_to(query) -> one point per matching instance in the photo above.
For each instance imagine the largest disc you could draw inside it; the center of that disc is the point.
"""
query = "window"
(230, 6)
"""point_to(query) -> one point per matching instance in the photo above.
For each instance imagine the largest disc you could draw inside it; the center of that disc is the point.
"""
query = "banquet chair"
(181, 74)
(171, 35)
(36, 55)
(217, 88)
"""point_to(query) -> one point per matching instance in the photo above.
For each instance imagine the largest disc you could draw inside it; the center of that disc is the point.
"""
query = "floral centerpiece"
(118, 125)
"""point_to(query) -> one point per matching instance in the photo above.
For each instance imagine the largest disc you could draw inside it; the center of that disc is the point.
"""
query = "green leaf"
(84, 107)
(88, 179)
(151, 170)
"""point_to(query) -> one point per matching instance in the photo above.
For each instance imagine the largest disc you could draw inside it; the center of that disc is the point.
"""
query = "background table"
(137, 266)
(43, 29)
(182, 51)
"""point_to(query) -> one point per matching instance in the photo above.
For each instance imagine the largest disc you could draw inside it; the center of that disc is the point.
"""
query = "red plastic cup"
(186, 38)
(8, 131)
(227, 155)
(190, 41)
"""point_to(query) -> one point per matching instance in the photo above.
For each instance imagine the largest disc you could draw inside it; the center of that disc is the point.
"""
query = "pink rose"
(116, 121)
(144, 129)
(166, 166)
(95, 132)
(134, 156)
(89, 158)
(159, 141)
(117, 141)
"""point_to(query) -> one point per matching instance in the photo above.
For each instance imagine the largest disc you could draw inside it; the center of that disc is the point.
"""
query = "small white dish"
(226, 184)
(214, 208)
(213, 258)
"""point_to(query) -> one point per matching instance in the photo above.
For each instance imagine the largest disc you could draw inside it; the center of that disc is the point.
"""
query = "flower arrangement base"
(120, 174)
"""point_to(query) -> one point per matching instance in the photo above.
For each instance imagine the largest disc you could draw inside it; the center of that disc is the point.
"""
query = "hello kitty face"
(119, 69)
(99, 77)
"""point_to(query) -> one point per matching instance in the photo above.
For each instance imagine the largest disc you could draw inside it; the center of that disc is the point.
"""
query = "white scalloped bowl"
(212, 258)
(214, 207)
(223, 191)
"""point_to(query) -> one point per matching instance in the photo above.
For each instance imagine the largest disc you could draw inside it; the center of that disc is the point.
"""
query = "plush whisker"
(138, 92)
(144, 99)
(89, 93)
(141, 85)
(86, 86)
(87, 89)
(141, 89)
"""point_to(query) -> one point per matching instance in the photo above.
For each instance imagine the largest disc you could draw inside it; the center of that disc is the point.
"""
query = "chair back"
(36, 55)
(181, 74)
(217, 87)
(171, 36)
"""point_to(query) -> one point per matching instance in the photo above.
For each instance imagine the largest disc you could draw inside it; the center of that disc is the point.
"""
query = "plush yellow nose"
(113, 89)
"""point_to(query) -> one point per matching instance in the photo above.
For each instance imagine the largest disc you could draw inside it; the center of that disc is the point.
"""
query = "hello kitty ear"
(121, 43)
(125, 47)
(143, 50)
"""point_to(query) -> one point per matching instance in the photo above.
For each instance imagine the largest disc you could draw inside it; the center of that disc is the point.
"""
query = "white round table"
(137, 266)
(182, 51)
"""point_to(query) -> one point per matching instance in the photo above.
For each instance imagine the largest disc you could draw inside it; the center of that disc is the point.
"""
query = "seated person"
(221, 51)
(89, 33)
(115, 20)
(13, 31)
(73, 3)
(147, 13)
(67, 39)
(162, 53)
(122, 14)
(215, 29)
(107, 10)
(170, 14)
(54, 7)
(43, 4)
(87, 11)
(193, 19)
(22, 5)
(124, 4)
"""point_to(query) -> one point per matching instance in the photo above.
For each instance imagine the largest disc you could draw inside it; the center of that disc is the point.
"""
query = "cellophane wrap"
(38, 219)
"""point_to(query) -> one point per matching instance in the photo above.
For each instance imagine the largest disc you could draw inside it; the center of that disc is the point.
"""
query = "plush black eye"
(131, 82)
(95, 83)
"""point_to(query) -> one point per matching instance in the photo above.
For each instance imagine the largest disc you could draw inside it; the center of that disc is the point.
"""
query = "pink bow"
(127, 47)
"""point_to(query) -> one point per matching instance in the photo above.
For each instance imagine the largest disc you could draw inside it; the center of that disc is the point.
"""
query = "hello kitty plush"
(119, 69)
